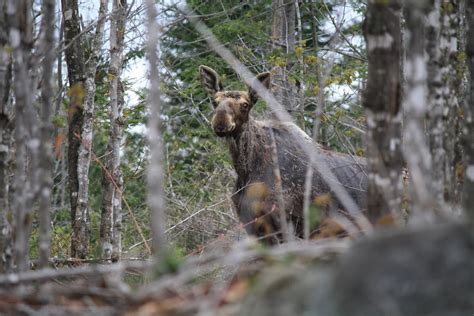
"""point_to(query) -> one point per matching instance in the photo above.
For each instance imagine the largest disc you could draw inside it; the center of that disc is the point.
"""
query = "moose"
(250, 143)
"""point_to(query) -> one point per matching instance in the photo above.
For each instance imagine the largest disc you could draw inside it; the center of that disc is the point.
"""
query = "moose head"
(231, 108)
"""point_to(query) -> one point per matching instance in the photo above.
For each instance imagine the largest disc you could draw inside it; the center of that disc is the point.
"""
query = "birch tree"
(81, 228)
(81, 75)
(111, 220)
(382, 103)
(416, 151)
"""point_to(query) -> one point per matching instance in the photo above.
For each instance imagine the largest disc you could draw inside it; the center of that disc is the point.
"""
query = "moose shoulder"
(250, 143)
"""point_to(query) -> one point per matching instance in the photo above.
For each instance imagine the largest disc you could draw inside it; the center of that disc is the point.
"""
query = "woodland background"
(107, 154)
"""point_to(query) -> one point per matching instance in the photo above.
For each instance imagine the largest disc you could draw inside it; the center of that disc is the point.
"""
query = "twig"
(49, 274)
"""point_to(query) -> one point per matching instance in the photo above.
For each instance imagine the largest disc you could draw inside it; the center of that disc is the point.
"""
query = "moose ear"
(264, 79)
(210, 80)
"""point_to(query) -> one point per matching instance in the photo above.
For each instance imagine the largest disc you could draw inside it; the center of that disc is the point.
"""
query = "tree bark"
(111, 220)
(320, 99)
(416, 151)
(80, 238)
(382, 103)
(45, 152)
(155, 173)
(468, 130)
(301, 87)
(450, 93)
(6, 229)
(26, 141)
(435, 121)
(6, 125)
(76, 76)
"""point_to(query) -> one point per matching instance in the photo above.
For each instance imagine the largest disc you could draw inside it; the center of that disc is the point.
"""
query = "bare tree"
(382, 102)
(468, 130)
(6, 125)
(26, 138)
(81, 75)
(45, 152)
(76, 75)
(111, 220)
(82, 219)
(155, 173)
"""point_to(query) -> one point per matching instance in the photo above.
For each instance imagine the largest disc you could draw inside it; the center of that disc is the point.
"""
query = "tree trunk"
(468, 130)
(451, 90)
(59, 132)
(45, 152)
(155, 173)
(111, 220)
(301, 87)
(382, 102)
(435, 121)
(6, 238)
(416, 152)
(322, 133)
(283, 37)
(26, 141)
(6, 229)
(80, 238)
(76, 75)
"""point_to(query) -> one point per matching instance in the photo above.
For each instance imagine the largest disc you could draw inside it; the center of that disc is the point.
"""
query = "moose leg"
(257, 212)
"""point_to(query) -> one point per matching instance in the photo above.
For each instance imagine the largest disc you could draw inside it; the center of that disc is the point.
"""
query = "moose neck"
(247, 149)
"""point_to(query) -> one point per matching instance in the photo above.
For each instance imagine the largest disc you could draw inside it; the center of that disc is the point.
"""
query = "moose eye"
(244, 106)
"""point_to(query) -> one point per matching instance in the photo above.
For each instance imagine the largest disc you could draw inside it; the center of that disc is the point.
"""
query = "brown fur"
(249, 143)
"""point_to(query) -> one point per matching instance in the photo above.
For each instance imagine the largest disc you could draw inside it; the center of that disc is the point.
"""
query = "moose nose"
(220, 128)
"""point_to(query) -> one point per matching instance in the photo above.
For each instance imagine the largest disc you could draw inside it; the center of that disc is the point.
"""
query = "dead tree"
(111, 219)
(251, 144)
(382, 103)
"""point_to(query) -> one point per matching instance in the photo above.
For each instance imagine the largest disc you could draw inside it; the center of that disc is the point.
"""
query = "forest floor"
(410, 271)
(211, 283)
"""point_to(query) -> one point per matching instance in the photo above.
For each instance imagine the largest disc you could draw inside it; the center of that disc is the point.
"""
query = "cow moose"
(249, 141)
